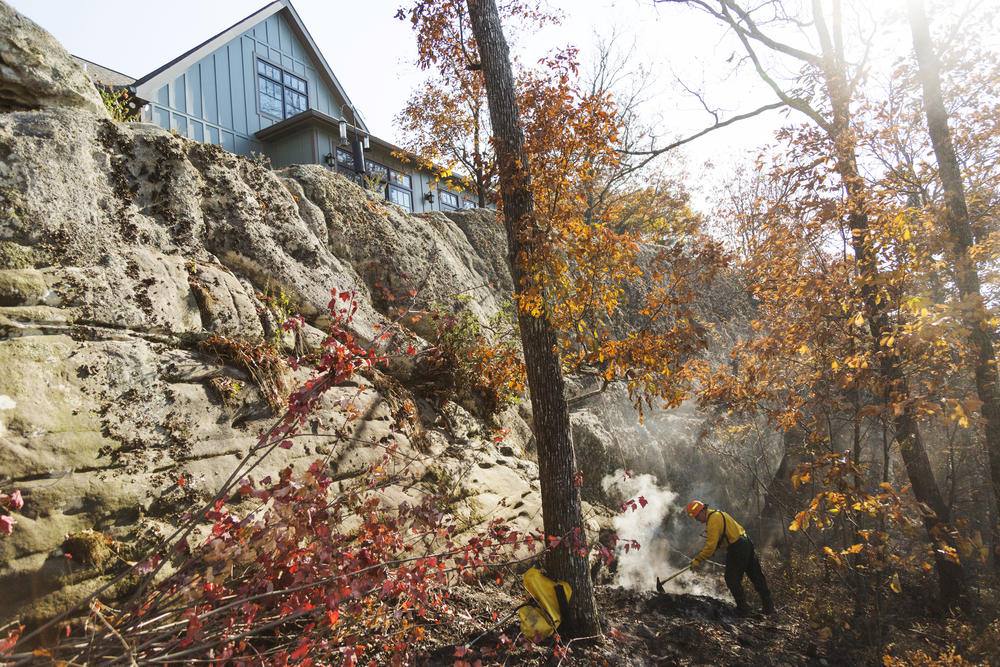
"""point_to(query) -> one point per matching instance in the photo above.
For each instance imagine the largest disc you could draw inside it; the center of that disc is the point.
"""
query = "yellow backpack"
(540, 622)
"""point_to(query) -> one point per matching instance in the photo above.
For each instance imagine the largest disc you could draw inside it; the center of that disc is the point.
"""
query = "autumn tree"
(446, 121)
(553, 139)
(561, 508)
(633, 194)
(825, 94)
(960, 239)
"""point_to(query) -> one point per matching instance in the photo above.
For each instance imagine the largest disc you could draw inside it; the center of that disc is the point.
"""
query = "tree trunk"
(780, 496)
(561, 509)
(951, 574)
(956, 216)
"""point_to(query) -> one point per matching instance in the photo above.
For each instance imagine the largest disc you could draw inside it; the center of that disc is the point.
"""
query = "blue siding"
(222, 88)
(210, 91)
(237, 87)
(216, 97)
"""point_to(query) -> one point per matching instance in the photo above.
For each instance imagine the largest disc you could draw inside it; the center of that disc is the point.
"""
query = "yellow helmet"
(694, 508)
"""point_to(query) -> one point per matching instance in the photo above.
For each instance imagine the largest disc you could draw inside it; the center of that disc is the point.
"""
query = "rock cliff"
(123, 248)
(130, 258)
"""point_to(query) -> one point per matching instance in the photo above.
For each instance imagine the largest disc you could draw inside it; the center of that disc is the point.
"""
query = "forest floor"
(640, 628)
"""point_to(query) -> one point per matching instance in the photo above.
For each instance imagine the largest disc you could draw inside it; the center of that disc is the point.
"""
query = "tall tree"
(832, 114)
(561, 506)
(570, 266)
(960, 238)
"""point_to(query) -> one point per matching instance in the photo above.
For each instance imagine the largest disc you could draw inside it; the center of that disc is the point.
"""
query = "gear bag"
(552, 599)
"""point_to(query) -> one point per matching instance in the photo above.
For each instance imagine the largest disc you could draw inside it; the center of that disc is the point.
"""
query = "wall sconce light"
(429, 197)
(343, 131)
(330, 160)
(366, 142)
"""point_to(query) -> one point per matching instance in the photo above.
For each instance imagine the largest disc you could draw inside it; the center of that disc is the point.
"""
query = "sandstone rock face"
(36, 72)
(122, 248)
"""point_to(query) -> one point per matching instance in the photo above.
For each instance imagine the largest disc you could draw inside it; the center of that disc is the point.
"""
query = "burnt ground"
(641, 628)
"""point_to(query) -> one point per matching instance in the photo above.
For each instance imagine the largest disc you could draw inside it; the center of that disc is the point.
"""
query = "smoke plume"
(645, 520)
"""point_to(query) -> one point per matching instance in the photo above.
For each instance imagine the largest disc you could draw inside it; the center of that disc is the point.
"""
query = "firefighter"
(741, 557)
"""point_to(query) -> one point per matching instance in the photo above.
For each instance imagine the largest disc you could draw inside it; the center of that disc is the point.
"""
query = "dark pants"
(741, 558)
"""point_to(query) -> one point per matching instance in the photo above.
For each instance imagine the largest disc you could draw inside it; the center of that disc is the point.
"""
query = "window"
(375, 168)
(280, 94)
(449, 200)
(345, 158)
(400, 189)
(400, 178)
(468, 204)
(398, 195)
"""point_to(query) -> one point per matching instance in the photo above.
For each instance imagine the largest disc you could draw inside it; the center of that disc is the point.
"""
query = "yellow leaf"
(859, 320)
(804, 349)
(895, 585)
(834, 365)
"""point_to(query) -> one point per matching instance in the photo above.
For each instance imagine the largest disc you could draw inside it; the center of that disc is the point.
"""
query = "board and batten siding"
(215, 99)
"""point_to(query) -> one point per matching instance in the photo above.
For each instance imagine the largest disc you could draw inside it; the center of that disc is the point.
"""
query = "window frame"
(454, 205)
(392, 187)
(281, 84)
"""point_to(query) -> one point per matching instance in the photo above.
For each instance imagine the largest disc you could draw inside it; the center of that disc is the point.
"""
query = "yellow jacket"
(718, 522)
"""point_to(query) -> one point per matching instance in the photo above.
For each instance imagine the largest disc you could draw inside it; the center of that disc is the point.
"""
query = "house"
(262, 87)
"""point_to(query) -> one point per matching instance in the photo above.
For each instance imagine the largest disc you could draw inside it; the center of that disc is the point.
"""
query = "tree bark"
(951, 574)
(780, 495)
(561, 508)
(956, 215)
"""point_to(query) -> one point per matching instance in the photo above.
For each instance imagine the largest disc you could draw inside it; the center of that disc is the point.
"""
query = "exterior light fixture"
(367, 143)
(343, 131)
(330, 160)
(429, 197)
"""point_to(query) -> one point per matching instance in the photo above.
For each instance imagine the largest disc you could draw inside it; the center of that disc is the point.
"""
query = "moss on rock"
(14, 256)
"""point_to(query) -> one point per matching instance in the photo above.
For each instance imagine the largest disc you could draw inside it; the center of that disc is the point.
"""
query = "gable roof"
(102, 74)
(147, 85)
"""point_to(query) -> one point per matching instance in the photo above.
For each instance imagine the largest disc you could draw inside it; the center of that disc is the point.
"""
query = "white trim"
(147, 86)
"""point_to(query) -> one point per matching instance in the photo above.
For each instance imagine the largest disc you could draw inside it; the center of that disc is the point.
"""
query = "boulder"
(36, 72)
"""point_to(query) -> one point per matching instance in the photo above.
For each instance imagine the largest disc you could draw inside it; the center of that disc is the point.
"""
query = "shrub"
(483, 363)
(301, 569)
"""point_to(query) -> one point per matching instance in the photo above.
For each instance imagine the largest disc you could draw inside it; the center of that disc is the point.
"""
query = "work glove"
(695, 563)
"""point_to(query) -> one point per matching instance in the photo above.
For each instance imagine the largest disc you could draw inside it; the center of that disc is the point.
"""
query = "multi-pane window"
(345, 158)
(402, 179)
(468, 204)
(400, 189)
(449, 200)
(394, 185)
(279, 93)
(375, 169)
(398, 195)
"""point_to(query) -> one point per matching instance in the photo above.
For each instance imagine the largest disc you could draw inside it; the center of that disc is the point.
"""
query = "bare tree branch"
(680, 142)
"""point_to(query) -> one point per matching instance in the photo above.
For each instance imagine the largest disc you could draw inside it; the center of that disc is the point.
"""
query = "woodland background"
(825, 332)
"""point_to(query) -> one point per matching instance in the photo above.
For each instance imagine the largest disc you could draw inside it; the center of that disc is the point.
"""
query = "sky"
(372, 52)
